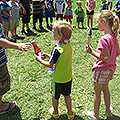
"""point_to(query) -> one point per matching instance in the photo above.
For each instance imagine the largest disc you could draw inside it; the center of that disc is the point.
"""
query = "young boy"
(62, 77)
(14, 22)
(59, 8)
(38, 7)
(6, 16)
(25, 8)
(103, 6)
(80, 14)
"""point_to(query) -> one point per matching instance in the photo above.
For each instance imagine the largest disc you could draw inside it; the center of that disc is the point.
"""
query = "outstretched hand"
(24, 46)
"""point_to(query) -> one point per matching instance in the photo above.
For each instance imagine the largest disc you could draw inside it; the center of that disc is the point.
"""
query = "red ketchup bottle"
(37, 50)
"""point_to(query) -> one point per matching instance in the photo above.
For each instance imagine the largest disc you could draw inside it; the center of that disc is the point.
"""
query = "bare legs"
(97, 99)
(68, 105)
(90, 20)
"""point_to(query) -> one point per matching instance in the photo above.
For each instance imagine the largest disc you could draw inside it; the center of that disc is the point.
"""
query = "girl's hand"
(88, 49)
(9, 17)
(24, 12)
(76, 15)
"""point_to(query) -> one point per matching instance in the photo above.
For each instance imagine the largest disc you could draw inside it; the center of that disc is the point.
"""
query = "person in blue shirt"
(117, 9)
(6, 16)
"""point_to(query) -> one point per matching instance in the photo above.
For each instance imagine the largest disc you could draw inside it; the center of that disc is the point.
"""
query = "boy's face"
(79, 4)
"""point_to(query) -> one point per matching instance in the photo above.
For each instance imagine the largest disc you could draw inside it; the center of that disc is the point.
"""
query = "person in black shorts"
(25, 14)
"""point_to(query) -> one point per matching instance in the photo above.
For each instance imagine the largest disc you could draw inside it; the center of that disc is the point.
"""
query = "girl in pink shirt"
(105, 61)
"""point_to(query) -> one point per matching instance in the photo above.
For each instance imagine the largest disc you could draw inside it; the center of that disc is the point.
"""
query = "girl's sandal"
(51, 110)
(111, 109)
(71, 117)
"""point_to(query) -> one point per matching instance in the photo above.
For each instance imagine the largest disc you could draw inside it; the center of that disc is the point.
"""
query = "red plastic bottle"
(37, 50)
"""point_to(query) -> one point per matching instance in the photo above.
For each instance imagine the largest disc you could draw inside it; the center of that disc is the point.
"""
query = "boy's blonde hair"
(112, 19)
(64, 28)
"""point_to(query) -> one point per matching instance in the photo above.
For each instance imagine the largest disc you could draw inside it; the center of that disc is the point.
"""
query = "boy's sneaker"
(34, 28)
(10, 39)
(23, 32)
(13, 37)
(48, 26)
(29, 31)
(41, 27)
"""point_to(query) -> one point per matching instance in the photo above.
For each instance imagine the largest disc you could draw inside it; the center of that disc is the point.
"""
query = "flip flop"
(51, 110)
(9, 108)
(71, 117)
(88, 114)
(111, 109)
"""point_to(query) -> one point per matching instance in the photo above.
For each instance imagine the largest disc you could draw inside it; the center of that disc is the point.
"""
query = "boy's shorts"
(6, 26)
(102, 77)
(80, 19)
(36, 17)
(14, 23)
(4, 80)
(61, 88)
(26, 18)
(59, 15)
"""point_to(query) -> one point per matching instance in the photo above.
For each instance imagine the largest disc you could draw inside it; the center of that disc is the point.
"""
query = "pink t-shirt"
(110, 43)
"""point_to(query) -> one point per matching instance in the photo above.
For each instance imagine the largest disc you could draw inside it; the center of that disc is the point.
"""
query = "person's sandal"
(71, 117)
(51, 110)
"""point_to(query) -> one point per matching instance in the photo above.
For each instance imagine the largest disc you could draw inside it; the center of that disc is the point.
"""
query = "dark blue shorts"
(49, 14)
(61, 88)
(80, 19)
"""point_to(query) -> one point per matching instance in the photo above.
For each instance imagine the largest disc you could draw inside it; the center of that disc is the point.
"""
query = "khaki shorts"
(6, 26)
(4, 80)
(14, 23)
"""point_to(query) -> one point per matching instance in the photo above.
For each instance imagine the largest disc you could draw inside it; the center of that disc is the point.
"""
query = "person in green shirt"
(61, 57)
(80, 14)
(103, 6)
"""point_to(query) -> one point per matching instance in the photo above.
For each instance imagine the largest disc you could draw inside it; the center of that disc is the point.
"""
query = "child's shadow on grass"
(64, 117)
(14, 114)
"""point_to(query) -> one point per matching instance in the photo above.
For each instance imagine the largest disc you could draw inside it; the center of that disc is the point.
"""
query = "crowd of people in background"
(13, 10)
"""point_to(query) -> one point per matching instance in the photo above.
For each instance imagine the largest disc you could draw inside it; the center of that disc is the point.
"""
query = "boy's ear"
(61, 35)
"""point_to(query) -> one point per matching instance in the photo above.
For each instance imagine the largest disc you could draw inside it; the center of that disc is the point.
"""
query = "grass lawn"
(31, 83)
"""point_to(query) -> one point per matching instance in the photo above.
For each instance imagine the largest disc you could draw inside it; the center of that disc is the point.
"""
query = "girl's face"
(55, 34)
(100, 25)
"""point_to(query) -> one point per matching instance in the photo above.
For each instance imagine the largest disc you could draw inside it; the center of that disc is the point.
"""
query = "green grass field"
(31, 83)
